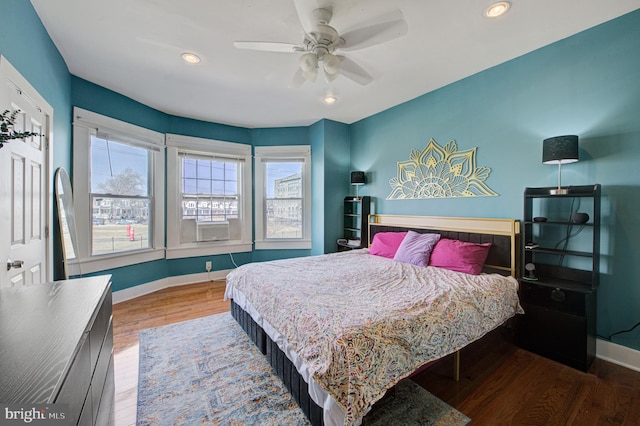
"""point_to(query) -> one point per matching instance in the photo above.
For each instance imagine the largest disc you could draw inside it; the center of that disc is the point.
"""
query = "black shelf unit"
(560, 303)
(356, 212)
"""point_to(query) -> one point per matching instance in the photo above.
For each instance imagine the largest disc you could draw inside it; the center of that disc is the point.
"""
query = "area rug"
(207, 371)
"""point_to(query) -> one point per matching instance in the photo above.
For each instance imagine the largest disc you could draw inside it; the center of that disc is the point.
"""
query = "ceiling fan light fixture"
(330, 77)
(311, 75)
(309, 62)
(190, 58)
(321, 41)
(331, 63)
(497, 9)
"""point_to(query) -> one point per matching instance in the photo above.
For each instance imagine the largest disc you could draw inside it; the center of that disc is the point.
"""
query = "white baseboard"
(608, 351)
(150, 287)
(618, 354)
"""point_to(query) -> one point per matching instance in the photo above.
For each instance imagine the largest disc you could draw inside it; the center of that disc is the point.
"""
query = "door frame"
(9, 72)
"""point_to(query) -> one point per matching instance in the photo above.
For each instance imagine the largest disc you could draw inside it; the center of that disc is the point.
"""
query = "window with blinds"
(208, 196)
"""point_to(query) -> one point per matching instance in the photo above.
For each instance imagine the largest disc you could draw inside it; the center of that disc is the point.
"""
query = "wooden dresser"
(56, 347)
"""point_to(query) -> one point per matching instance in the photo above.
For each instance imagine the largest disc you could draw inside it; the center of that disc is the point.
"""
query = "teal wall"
(330, 145)
(588, 85)
(316, 135)
(95, 98)
(27, 46)
(337, 146)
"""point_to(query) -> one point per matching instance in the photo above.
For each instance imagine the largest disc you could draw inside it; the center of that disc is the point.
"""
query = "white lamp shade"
(311, 75)
(331, 63)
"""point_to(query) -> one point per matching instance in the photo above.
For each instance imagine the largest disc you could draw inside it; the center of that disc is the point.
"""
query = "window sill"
(111, 261)
(283, 245)
(204, 249)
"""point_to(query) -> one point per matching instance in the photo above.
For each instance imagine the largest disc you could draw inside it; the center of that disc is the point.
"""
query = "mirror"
(66, 220)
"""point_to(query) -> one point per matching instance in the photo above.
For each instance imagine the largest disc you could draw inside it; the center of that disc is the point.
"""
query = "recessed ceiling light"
(190, 58)
(329, 99)
(497, 9)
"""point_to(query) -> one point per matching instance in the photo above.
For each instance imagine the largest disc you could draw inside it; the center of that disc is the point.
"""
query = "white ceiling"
(133, 47)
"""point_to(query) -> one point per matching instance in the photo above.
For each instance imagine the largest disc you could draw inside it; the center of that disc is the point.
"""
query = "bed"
(341, 329)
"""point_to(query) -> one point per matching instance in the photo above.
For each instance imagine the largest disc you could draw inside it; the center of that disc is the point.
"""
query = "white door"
(24, 185)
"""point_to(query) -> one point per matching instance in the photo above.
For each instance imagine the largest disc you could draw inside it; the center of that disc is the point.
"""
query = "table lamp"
(560, 150)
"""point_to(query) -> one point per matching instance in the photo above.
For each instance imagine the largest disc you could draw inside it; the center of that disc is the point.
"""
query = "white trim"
(300, 153)
(208, 145)
(282, 244)
(283, 151)
(115, 260)
(161, 284)
(85, 124)
(618, 354)
(112, 127)
(238, 151)
(204, 249)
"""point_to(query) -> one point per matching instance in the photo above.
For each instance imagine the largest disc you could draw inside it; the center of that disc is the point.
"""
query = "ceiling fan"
(321, 43)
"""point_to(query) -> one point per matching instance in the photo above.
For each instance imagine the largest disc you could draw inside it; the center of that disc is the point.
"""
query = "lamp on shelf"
(357, 179)
(560, 150)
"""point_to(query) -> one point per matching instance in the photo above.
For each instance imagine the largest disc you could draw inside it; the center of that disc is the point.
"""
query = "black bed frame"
(498, 261)
(280, 364)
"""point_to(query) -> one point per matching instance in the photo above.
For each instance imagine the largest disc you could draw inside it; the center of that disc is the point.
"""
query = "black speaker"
(580, 218)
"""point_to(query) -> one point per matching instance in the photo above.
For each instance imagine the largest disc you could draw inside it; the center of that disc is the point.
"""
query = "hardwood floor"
(164, 307)
(500, 384)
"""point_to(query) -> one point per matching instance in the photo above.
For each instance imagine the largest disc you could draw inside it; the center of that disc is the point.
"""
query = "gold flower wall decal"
(440, 172)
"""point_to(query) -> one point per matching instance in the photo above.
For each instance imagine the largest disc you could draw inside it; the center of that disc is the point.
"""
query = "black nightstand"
(559, 323)
(561, 260)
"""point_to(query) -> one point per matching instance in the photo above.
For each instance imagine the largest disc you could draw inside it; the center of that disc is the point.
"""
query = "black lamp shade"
(560, 150)
(358, 178)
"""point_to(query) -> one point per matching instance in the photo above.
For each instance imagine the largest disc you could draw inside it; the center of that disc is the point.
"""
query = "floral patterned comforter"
(361, 323)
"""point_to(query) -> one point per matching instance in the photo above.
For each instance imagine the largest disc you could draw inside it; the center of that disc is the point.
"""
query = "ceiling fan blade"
(385, 29)
(305, 8)
(267, 46)
(297, 80)
(354, 72)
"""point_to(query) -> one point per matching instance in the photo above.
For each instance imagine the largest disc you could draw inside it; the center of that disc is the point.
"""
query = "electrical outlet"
(208, 266)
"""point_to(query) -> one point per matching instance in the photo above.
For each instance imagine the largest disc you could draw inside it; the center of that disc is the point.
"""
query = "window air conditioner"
(212, 231)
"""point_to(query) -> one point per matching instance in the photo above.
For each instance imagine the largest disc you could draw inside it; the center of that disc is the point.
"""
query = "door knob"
(15, 264)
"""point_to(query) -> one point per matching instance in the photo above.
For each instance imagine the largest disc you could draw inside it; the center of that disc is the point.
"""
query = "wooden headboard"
(503, 234)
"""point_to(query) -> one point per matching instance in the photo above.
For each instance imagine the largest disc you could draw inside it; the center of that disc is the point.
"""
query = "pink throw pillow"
(461, 256)
(386, 244)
